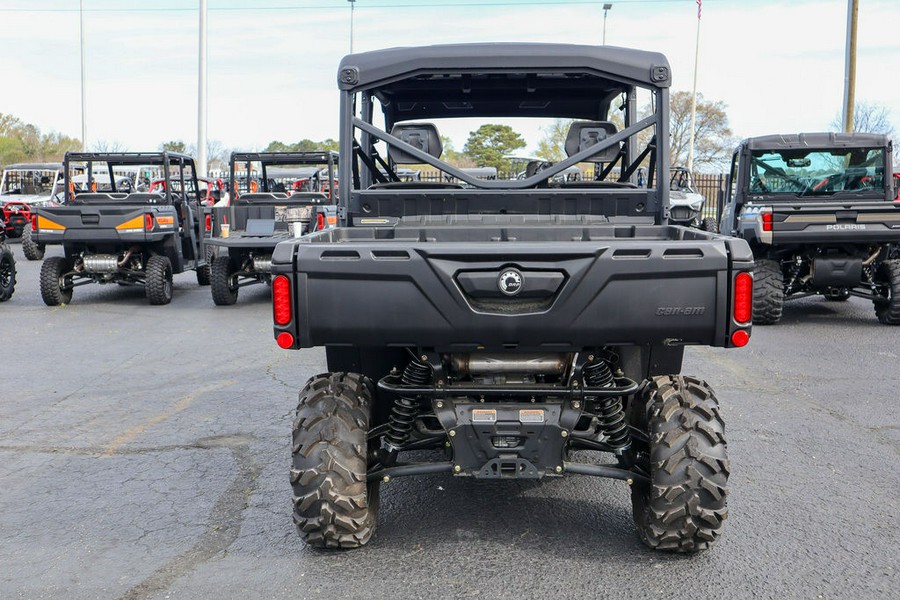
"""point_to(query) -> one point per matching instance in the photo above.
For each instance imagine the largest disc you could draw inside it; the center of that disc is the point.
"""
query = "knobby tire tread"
(334, 506)
(768, 292)
(683, 509)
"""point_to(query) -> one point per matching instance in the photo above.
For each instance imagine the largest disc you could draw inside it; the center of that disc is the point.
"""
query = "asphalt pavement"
(144, 453)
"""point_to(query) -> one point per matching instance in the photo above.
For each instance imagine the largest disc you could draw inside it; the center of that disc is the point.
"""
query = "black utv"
(290, 196)
(120, 235)
(817, 210)
(516, 329)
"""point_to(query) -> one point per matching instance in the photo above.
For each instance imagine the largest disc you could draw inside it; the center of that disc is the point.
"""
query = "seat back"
(423, 136)
(584, 134)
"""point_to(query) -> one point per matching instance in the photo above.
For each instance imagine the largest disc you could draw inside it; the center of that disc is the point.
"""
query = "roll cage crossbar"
(528, 182)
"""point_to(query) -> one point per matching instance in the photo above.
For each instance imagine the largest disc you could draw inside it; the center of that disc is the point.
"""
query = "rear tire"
(203, 275)
(224, 293)
(31, 249)
(709, 224)
(768, 292)
(158, 280)
(205, 272)
(7, 273)
(53, 279)
(683, 507)
(334, 505)
(887, 309)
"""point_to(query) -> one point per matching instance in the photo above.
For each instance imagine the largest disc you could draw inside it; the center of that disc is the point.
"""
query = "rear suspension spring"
(405, 410)
(610, 413)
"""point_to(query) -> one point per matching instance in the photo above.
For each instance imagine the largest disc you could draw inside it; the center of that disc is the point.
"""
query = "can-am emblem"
(510, 282)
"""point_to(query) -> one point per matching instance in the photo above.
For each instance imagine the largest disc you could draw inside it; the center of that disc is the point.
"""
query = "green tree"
(454, 156)
(304, 145)
(174, 146)
(713, 140)
(21, 142)
(490, 143)
(552, 146)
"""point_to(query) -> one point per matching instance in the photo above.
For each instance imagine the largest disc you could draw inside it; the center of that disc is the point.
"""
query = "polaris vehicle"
(22, 187)
(507, 324)
(122, 236)
(247, 231)
(16, 217)
(34, 184)
(817, 211)
(686, 203)
(7, 266)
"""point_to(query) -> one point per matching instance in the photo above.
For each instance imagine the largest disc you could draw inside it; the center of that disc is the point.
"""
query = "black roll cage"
(164, 159)
(265, 159)
(353, 151)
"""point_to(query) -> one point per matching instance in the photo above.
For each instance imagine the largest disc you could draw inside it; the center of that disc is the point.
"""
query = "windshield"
(817, 172)
(28, 183)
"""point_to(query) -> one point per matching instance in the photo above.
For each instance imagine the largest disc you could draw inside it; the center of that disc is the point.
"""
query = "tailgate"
(568, 295)
(842, 223)
(61, 224)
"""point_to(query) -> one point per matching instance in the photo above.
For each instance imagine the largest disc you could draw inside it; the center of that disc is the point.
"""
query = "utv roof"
(371, 69)
(33, 167)
(816, 140)
(286, 158)
(128, 158)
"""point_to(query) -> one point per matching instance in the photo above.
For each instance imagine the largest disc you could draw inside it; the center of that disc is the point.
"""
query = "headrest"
(423, 136)
(584, 134)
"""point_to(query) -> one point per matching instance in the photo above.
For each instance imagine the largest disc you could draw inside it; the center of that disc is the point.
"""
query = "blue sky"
(777, 65)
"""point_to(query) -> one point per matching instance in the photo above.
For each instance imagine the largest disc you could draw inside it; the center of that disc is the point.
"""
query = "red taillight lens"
(209, 222)
(34, 222)
(767, 221)
(743, 297)
(285, 340)
(148, 222)
(281, 300)
(320, 222)
(740, 338)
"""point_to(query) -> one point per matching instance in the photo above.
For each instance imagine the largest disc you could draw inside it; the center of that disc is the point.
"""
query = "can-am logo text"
(668, 311)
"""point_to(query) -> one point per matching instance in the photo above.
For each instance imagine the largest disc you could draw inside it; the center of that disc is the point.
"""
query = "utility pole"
(690, 160)
(850, 66)
(606, 8)
(352, 6)
(83, 103)
(201, 100)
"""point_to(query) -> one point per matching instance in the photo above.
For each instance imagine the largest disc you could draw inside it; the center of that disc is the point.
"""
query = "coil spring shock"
(405, 410)
(609, 410)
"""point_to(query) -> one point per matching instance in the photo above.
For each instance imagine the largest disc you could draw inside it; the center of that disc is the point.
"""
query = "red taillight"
(281, 300)
(767, 221)
(740, 338)
(148, 222)
(34, 222)
(209, 222)
(743, 297)
(285, 340)
(320, 222)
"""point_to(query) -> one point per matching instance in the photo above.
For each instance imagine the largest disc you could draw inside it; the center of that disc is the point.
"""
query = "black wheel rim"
(5, 272)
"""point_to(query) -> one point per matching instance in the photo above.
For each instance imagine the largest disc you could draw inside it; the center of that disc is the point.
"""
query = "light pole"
(352, 5)
(201, 96)
(850, 67)
(83, 120)
(606, 8)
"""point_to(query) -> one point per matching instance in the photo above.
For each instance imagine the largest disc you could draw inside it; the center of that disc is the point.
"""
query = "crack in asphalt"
(222, 528)
(182, 404)
(209, 443)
